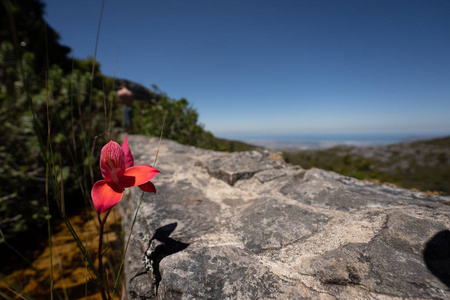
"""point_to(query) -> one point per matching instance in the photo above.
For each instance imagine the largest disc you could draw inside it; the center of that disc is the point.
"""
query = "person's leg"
(125, 117)
(131, 116)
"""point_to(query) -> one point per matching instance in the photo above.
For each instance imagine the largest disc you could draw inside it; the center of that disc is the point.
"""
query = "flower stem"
(100, 256)
(126, 246)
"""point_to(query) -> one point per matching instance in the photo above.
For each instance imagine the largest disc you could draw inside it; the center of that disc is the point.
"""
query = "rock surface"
(247, 226)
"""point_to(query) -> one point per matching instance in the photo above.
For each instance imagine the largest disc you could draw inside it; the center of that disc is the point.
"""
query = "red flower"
(119, 172)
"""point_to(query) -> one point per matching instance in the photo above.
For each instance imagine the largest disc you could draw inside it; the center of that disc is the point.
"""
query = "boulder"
(246, 225)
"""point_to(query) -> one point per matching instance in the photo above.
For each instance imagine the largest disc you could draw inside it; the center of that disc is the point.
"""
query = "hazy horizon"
(328, 140)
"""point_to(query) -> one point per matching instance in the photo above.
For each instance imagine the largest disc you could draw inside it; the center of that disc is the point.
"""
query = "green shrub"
(181, 122)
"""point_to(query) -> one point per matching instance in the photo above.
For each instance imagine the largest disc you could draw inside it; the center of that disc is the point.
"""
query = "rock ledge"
(247, 226)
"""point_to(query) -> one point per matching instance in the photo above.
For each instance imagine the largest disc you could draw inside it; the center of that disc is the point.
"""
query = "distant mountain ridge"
(423, 165)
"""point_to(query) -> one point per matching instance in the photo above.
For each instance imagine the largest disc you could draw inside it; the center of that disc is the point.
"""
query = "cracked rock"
(247, 226)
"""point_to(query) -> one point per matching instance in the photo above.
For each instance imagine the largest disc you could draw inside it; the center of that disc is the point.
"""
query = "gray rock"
(247, 226)
(232, 167)
(216, 272)
(391, 263)
(271, 224)
(268, 175)
(328, 189)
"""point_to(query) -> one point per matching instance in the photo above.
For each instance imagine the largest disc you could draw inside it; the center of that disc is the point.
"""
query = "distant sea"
(324, 141)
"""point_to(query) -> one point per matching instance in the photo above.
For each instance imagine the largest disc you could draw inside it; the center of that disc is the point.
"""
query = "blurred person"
(125, 97)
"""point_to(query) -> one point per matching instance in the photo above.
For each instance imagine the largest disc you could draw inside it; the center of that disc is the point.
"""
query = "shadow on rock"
(437, 256)
(167, 246)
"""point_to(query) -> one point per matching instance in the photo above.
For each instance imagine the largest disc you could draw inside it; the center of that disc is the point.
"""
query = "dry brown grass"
(69, 267)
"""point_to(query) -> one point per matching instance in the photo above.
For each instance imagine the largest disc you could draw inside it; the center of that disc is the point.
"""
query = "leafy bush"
(44, 123)
(181, 122)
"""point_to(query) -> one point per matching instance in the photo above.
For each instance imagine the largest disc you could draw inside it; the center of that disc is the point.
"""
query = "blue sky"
(278, 67)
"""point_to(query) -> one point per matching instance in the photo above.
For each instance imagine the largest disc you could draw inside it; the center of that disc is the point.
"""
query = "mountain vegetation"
(422, 165)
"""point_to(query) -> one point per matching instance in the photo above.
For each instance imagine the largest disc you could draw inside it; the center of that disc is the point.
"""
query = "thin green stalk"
(93, 63)
(83, 249)
(118, 234)
(137, 210)
(63, 282)
(126, 246)
(47, 177)
(84, 252)
(115, 65)
(6, 296)
(100, 254)
(15, 290)
(49, 237)
(88, 136)
(111, 104)
(86, 275)
(90, 166)
(72, 154)
(96, 40)
(71, 93)
(160, 138)
(24, 258)
(63, 205)
(81, 173)
(105, 107)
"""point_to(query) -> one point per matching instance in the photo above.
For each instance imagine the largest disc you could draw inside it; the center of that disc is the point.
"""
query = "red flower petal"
(137, 175)
(129, 160)
(112, 162)
(148, 187)
(105, 195)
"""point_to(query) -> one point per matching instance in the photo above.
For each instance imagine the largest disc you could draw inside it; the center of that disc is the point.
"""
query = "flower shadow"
(167, 246)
